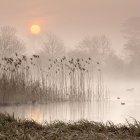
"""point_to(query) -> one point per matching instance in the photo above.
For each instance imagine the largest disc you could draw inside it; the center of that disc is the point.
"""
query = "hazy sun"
(35, 29)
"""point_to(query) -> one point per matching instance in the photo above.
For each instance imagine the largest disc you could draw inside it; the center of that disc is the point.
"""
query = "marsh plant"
(82, 130)
(24, 80)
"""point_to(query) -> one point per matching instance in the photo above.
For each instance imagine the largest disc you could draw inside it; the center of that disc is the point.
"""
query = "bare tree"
(52, 46)
(96, 47)
(9, 42)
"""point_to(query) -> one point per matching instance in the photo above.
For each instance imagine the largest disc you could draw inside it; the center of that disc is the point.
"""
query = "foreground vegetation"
(12, 129)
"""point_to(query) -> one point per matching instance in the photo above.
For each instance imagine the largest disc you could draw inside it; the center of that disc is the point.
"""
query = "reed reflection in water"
(62, 111)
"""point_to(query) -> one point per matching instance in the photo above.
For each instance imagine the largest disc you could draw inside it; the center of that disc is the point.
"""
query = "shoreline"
(11, 129)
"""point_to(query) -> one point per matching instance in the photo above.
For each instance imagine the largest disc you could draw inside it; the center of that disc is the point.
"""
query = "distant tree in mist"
(52, 47)
(97, 47)
(9, 42)
(132, 47)
(131, 31)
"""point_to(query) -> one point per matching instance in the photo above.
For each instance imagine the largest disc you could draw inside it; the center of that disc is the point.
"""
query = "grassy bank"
(12, 129)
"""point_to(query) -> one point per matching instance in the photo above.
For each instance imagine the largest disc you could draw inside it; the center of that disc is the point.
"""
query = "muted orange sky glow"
(71, 20)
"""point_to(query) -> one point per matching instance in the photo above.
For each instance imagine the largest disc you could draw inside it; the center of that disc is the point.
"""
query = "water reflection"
(65, 111)
(74, 111)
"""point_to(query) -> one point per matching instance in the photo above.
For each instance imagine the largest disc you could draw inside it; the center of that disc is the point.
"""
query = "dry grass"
(24, 80)
(11, 129)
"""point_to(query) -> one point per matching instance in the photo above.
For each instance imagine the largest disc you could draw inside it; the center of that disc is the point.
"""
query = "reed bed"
(24, 80)
(12, 129)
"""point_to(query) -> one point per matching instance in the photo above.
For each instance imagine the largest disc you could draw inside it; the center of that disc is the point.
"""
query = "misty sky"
(71, 20)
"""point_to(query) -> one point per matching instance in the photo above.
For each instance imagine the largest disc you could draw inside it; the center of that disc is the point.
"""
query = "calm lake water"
(112, 110)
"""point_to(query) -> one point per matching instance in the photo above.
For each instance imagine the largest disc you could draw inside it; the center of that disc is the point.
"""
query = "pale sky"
(71, 20)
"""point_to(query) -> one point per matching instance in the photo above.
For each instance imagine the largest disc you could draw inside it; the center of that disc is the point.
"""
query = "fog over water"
(83, 61)
(111, 110)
